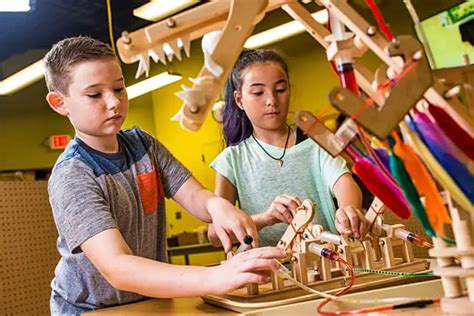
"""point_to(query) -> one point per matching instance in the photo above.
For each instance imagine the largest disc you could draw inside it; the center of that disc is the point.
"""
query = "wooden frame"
(322, 274)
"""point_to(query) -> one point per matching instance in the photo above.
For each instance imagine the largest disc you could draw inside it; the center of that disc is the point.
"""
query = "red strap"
(380, 21)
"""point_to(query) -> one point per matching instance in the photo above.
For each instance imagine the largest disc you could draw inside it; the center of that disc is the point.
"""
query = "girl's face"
(265, 95)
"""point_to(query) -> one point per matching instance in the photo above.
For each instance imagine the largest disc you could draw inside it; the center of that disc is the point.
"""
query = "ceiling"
(52, 20)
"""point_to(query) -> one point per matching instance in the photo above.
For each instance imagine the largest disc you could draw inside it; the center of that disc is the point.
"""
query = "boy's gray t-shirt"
(308, 172)
(91, 192)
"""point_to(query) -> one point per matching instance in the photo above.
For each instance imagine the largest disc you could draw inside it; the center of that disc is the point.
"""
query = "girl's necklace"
(279, 159)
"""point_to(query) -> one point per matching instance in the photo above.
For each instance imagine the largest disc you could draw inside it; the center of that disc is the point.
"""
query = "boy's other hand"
(230, 222)
(281, 210)
(350, 220)
(252, 266)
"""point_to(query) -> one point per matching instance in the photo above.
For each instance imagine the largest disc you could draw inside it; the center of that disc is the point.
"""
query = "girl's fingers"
(342, 221)
(288, 201)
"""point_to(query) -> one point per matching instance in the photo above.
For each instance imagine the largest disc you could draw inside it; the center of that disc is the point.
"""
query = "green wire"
(395, 273)
(447, 240)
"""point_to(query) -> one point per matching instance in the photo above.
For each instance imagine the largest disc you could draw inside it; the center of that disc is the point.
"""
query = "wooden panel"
(28, 248)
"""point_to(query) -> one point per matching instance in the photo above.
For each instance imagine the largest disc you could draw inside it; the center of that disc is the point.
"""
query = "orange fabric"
(424, 184)
(151, 190)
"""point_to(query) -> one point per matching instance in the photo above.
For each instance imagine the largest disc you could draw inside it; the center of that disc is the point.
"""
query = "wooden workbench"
(195, 306)
(188, 250)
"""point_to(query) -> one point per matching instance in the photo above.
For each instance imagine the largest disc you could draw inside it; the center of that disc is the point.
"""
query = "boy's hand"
(350, 220)
(281, 210)
(229, 221)
(252, 266)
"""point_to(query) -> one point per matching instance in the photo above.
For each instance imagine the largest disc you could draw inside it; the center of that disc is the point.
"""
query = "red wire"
(345, 290)
(341, 292)
(380, 21)
(370, 309)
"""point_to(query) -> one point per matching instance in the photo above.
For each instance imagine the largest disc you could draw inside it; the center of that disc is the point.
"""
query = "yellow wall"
(26, 121)
(194, 150)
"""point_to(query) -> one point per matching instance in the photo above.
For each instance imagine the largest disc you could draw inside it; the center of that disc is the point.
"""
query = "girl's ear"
(56, 102)
(238, 99)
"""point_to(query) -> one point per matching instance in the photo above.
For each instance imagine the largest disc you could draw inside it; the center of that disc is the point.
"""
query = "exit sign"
(58, 141)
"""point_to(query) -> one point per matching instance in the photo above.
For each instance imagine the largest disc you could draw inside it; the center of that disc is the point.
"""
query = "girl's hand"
(281, 210)
(350, 220)
(252, 266)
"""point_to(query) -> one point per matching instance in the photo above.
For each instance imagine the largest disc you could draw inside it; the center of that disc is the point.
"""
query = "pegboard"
(28, 248)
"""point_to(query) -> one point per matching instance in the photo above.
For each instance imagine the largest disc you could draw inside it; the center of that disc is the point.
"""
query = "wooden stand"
(452, 271)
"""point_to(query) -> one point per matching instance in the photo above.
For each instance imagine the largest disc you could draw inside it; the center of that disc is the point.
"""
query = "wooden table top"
(195, 305)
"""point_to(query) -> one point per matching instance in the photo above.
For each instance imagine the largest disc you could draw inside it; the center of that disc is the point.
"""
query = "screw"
(339, 96)
(170, 23)
(395, 42)
(193, 109)
(126, 39)
(371, 30)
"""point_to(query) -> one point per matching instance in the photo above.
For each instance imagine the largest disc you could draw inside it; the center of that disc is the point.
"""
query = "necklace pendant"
(280, 162)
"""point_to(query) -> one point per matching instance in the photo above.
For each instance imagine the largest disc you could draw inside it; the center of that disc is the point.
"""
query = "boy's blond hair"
(68, 52)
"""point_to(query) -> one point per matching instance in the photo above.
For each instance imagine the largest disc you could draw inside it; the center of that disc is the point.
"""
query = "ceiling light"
(158, 9)
(282, 31)
(15, 6)
(22, 78)
(151, 84)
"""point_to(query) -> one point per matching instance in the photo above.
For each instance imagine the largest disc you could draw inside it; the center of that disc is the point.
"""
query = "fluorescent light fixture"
(22, 78)
(150, 84)
(15, 5)
(283, 31)
(158, 9)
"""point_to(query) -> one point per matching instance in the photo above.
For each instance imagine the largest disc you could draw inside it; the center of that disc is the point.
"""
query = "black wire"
(284, 150)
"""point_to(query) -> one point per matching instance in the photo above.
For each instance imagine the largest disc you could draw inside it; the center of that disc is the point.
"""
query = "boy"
(107, 193)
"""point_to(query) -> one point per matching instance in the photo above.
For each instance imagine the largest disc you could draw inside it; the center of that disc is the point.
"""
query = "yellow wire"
(109, 21)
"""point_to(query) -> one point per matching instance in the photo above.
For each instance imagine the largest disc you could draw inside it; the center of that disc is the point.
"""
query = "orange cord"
(344, 290)
(369, 102)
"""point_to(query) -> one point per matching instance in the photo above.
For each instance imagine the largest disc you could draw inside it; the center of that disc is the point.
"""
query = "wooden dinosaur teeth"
(143, 66)
(185, 42)
(157, 53)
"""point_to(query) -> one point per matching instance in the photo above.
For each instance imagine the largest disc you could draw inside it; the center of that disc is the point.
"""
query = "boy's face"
(97, 103)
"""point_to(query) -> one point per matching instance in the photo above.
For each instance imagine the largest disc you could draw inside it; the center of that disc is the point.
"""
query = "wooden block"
(407, 91)
(186, 238)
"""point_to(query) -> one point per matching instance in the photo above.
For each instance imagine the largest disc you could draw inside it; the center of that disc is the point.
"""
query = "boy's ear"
(56, 102)
(238, 99)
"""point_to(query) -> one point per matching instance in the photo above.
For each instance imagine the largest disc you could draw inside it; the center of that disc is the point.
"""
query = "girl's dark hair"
(236, 124)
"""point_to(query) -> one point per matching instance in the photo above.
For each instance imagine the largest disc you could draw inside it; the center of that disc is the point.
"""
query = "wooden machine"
(312, 252)
(376, 106)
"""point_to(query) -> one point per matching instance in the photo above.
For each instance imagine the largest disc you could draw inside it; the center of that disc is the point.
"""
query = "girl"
(268, 163)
